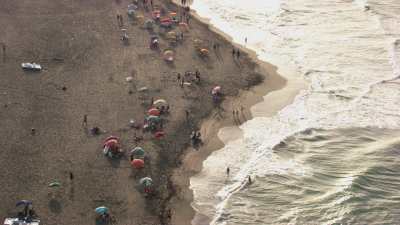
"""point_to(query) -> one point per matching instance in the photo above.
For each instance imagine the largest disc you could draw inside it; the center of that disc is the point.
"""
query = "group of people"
(236, 53)
(249, 180)
(195, 137)
(188, 76)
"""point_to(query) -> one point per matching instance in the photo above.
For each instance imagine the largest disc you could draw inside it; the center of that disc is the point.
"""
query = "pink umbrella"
(153, 112)
(216, 90)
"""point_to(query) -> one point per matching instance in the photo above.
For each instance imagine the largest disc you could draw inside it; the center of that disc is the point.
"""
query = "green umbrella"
(146, 181)
(138, 151)
(55, 184)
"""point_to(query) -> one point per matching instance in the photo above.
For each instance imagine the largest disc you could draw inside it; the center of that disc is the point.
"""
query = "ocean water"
(331, 156)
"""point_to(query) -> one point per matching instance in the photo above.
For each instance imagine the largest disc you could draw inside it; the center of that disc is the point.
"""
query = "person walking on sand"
(233, 52)
(178, 77)
(227, 171)
(187, 114)
(84, 122)
(249, 181)
(238, 53)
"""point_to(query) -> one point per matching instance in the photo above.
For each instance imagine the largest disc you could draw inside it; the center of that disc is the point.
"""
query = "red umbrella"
(159, 134)
(153, 112)
(112, 144)
(166, 20)
(137, 163)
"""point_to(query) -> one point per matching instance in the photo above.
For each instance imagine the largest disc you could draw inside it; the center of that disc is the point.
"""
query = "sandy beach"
(85, 69)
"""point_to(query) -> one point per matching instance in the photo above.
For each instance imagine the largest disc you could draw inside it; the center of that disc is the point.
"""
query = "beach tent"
(137, 152)
(160, 102)
(169, 55)
(216, 90)
(101, 210)
(137, 163)
(153, 112)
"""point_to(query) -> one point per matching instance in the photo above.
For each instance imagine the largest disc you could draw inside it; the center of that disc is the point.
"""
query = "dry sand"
(78, 44)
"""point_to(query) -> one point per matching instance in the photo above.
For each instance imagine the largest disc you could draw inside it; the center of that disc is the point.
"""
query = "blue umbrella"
(23, 202)
(101, 210)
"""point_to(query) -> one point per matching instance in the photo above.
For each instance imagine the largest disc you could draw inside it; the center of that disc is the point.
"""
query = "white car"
(15, 221)
(31, 66)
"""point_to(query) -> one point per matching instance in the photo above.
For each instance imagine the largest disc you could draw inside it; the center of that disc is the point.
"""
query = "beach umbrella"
(171, 35)
(55, 184)
(159, 134)
(156, 14)
(23, 202)
(138, 151)
(197, 43)
(101, 210)
(132, 7)
(131, 12)
(153, 112)
(216, 90)
(146, 182)
(137, 163)
(153, 119)
(204, 51)
(160, 102)
(111, 138)
(143, 89)
(169, 55)
(148, 24)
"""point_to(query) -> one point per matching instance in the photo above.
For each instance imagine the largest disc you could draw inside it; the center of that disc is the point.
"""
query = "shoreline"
(217, 133)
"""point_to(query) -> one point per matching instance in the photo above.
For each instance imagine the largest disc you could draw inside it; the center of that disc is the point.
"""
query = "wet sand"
(265, 99)
(85, 70)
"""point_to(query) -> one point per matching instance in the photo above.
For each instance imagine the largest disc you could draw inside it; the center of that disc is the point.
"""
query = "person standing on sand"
(187, 114)
(71, 176)
(249, 180)
(238, 53)
(33, 131)
(233, 52)
(227, 171)
(245, 40)
(178, 77)
(4, 51)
